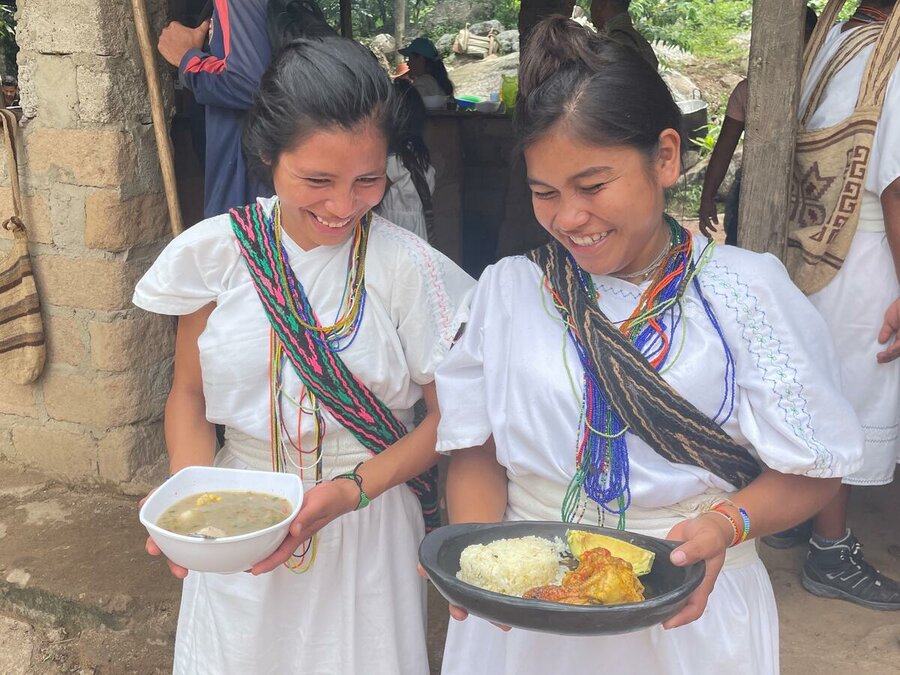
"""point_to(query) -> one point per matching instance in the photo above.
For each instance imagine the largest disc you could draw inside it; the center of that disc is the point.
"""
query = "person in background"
(612, 18)
(224, 80)
(720, 159)
(429, 75)
(410, 176)
(10, 91)
(860, 309)
(633, 374)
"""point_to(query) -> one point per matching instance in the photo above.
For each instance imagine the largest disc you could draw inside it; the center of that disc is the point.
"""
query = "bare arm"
(721, 157)
(890, 206)
(476, 485)
(408, 457)
(190, 437)
(775, 501)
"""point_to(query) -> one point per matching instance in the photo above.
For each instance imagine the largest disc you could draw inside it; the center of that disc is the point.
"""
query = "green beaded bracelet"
(364, 500)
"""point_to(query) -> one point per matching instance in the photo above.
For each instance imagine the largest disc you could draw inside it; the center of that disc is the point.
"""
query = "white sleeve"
(191, 271)
(460, 379)
(430, 298)
(790, 409)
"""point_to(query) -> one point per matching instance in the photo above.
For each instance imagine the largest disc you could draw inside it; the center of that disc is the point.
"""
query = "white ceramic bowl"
(224, 555)
(435, 102)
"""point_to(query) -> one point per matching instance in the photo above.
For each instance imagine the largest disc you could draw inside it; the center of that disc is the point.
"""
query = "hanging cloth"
(22, 348)
(649, 406)
(320, 368)
(830, 164)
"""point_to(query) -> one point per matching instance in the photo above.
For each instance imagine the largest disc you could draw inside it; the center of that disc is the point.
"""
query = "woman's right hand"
(456, 611)
(150, 546)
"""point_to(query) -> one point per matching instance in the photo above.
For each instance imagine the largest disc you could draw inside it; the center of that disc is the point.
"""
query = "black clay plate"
(667, 587)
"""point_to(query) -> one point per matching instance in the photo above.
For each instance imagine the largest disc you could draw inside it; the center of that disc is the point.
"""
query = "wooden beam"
(399, 26)
(346, 19)
(776, 46)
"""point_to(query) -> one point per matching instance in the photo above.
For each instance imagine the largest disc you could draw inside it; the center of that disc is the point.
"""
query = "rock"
(485, 28)
(445, 43)
(119, 603)
(691, 157)
(683, 88)
(384, 43)
(482, 77)
(2, 530)
(18, 577)
(509, 41)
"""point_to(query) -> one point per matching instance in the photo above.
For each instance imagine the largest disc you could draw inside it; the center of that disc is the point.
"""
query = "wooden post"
(776, 47)
(346, 19)
(158, 114)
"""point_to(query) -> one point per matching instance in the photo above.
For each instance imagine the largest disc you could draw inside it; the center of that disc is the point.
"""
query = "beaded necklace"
(865, 14)
(601, 459)
(335, 337)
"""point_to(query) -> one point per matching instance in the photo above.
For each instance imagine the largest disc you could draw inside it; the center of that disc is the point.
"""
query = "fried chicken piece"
(600, 578)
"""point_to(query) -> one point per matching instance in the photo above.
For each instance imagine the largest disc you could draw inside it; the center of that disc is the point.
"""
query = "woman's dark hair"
(437, 69)
(602, 92)
(316, 85)
(288, 20)
(810, 20)
(409, 146)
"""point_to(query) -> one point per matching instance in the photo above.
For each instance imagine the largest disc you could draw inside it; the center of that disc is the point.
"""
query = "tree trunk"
(532, 11)
(346, 19)
(399, 24)
(776, 48)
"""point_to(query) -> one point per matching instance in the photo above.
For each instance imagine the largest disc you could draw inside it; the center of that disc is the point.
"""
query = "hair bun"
(555, 43)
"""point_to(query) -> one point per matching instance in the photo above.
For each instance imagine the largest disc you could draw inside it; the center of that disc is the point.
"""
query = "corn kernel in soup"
(225, 513)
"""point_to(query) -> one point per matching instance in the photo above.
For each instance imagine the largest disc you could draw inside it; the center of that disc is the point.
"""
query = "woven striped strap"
(652, 409)
(320, 369)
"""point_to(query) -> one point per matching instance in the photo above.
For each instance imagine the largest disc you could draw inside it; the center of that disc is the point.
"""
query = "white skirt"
(853, 305)
(359, 609)
(737, 634)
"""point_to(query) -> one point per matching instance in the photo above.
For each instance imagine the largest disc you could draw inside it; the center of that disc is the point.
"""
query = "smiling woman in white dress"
(729, 424)
(310, 328)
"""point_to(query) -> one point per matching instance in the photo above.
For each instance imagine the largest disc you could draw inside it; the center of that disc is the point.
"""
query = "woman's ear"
(668, 158)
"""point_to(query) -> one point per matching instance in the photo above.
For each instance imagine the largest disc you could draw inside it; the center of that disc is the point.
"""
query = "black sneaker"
(790, 537)
(840, 571)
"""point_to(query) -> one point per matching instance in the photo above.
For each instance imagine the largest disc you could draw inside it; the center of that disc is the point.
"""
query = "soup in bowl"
(211, 519)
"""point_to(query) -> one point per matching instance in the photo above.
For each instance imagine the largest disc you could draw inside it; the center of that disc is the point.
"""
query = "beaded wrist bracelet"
(356, 478)
(734, 525)
(746, 518)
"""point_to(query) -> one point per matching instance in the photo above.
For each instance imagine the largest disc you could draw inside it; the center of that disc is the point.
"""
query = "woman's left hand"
(704, 539)
(890, 332)
(322, 504)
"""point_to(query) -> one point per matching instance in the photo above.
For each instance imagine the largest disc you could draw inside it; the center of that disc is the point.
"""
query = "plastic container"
(224, 555)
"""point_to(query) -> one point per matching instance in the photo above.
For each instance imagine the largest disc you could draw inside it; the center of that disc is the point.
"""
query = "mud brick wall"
(97, 218)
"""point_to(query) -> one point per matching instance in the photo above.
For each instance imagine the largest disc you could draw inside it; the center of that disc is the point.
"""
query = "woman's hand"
(709, 218)
(456, 611)
(890, 329)
(150, 546)
(705, 538)
(325, 502)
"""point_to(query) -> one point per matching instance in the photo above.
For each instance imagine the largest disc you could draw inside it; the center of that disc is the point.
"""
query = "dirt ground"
(78, 594)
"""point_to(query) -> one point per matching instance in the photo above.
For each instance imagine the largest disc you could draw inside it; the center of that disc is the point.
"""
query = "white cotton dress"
(401, 203)
(361, 607)
(507, 377)
(854, 302)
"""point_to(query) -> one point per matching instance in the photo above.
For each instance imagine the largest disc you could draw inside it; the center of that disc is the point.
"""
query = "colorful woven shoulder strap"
(320, 369)
(649, 406)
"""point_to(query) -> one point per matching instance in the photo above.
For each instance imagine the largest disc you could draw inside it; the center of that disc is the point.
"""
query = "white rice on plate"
(512, 566)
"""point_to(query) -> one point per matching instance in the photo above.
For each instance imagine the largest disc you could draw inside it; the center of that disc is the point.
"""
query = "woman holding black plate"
(633, 375)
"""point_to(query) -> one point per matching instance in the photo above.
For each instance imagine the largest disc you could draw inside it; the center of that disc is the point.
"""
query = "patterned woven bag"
(22, 349)
(830, 163)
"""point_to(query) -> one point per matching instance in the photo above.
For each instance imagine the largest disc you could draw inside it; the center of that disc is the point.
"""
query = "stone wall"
(97, 217)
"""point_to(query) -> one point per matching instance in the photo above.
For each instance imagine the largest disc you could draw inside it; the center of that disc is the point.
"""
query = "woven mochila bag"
(22, 349)
(830, 163)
